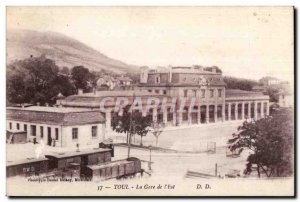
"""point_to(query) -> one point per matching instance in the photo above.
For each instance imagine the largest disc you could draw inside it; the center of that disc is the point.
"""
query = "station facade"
(214, 103)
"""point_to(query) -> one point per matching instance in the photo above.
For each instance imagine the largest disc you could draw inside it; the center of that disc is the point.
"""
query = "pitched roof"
(55, 115)
(79, 153)
(25, 161)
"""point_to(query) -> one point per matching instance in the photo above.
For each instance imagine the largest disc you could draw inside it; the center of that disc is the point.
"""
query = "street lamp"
(150, 147)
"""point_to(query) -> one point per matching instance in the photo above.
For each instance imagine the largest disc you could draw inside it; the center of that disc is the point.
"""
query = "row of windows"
(94, 132)
(203, 93)
(33, 131)
(17, 126)
(157, 91)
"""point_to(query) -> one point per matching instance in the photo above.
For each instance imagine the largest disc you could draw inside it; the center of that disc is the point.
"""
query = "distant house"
(106, 83)
(268, 81)
(58, 97)
(124, 81)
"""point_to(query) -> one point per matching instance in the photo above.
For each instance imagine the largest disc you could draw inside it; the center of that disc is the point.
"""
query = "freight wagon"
(70, 163)
(27, 167)
(115, 169)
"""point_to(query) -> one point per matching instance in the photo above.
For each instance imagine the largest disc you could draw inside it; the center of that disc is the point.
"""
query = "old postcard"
(150, 101)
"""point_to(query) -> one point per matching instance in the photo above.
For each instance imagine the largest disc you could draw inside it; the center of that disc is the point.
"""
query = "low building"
(58, 126)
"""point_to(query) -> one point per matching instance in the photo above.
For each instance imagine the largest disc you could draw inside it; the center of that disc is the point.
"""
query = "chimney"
(38, 104)
(22, 105)
(46, 104)
(80, 91)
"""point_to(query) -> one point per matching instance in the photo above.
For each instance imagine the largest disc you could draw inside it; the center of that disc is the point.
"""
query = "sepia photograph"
(157, 101)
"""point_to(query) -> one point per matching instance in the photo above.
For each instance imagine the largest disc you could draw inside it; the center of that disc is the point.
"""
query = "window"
(203, 93)
(157, 79)
(42, 131)
(157, 91)
(220, 92)
(211, 93)
(32, 130)
(10, 125)
(165, 92)
(25, 127)
(185, 92)
(18, 126)
(56, 133)
(94, 131)
(150, 91)
(74, 133)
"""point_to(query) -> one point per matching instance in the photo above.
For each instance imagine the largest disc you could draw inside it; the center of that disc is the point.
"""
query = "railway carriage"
(27, 167)
(115, 169)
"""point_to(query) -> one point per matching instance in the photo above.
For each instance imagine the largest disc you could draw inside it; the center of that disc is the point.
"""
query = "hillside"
(64, 50)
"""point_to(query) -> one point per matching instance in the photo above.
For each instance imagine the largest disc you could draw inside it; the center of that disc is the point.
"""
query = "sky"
(246, 42)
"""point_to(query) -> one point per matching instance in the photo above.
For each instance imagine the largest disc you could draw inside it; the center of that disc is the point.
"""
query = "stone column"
(189, 117)
(165, 116)
(207, 114)
(243, 110)
(179, 118)
(249, 110)
(229, 111)
(216, 113)
(268, 109)
(199, 115)
(223, 112)
(255, 110)
(236, 111)
(174, 117)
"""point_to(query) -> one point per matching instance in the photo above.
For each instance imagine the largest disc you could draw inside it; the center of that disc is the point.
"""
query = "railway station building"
(214, 103)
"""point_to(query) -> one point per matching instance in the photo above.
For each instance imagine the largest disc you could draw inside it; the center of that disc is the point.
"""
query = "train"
(87, 164)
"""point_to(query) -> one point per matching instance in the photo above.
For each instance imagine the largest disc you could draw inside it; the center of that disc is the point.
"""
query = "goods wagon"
(27, 167)
(114, 169)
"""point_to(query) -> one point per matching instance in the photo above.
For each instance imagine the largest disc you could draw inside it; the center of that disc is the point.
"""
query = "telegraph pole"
(130, 129)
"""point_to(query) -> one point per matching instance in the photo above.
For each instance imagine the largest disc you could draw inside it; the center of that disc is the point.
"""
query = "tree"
(130, 124)
(157, 129)
(80, 76)
(35, 79)
(238, 83)
(83, 78)
(271, 141)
